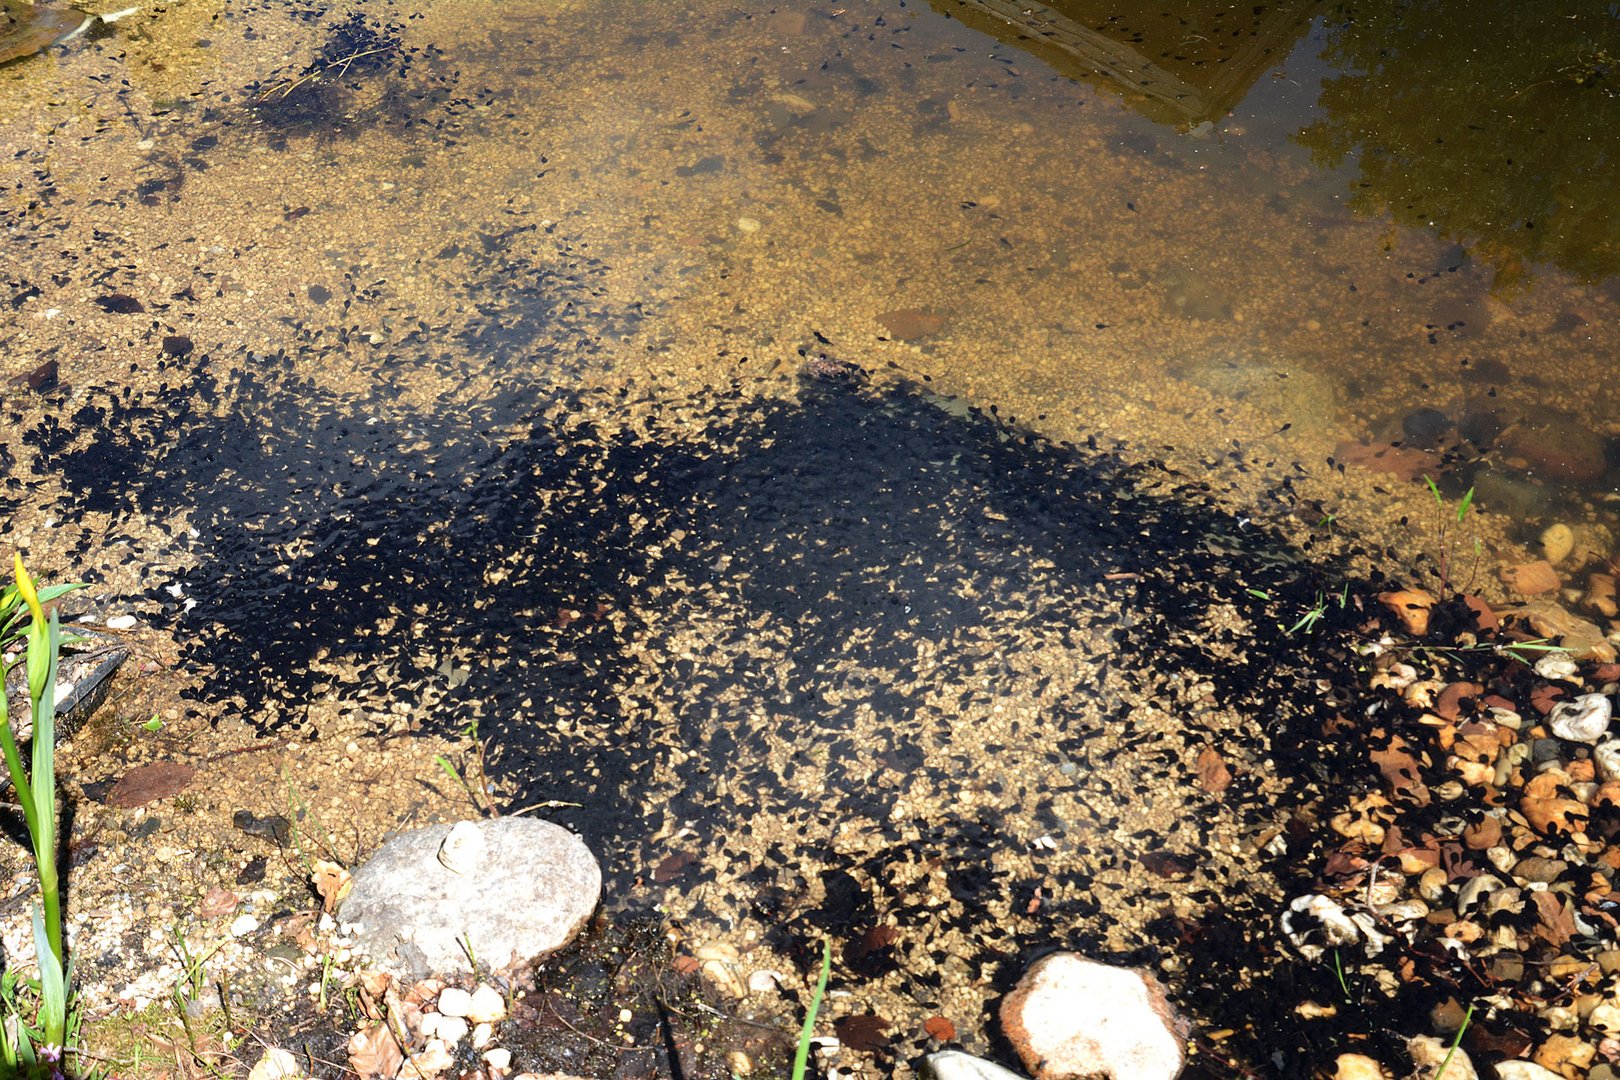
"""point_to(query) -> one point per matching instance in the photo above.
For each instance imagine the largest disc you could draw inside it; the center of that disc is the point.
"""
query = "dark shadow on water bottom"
(657, 612)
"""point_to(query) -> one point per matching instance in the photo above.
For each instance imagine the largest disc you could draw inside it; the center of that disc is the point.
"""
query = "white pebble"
(498, 1059)
(121, 622)
(277, 1064)
(243, 925)
(1584, 719)
(1557, 665)
(454, 1001)
(486, 1006)
(452, 1029)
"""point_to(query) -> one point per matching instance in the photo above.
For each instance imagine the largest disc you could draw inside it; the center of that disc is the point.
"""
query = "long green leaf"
(801, 1058)
(44, 781)
(14, 765)
(52, 986)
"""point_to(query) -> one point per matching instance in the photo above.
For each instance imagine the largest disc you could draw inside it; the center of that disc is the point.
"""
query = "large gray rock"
(515, 891)
(1071, 1018)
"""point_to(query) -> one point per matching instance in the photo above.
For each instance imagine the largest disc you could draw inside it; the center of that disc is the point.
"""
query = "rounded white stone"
(487, 1006)
(1585, 719)
(454, 1001)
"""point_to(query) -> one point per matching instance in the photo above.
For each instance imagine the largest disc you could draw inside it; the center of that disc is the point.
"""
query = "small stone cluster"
(1484, 864)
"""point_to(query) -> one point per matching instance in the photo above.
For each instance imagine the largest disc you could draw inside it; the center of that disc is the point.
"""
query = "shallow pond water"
(837, 457)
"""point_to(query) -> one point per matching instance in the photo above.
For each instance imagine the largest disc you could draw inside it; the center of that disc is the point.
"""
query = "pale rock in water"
(1357, 1067)
(1524, 1070)
(1606, 756)
(1429, 1054)
(1071, 1018)
(1557, 665)
(1585, 719)
(1557, 541)
(955, 1065)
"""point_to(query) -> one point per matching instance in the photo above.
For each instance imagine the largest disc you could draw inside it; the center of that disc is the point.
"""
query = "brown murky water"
(438, 364)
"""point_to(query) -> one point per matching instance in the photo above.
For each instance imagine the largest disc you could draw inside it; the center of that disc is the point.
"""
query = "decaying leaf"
(874, 940)
(149, 783)
(939, 1028)
(373, 1051)
(672, 867)
(1164, 864)
(1400, 768)
(27, 28)
(1557, 918)
(863, 1033)
(332, 882)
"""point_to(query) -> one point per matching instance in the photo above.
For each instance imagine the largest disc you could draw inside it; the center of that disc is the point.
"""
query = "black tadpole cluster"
(343, 557)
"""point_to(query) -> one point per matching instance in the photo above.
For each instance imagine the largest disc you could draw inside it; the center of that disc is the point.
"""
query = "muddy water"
(838, 458)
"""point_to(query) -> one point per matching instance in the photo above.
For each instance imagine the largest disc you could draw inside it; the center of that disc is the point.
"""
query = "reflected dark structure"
(1186, 63)
(1496, 124)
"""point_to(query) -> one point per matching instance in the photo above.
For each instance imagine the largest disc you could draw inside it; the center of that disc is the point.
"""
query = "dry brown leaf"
(672, 867)
(1400, 768)
(373, 1051)
(939, 1028)
(332, 882)
(1557, 918)
(863, 1033)
(149, 783)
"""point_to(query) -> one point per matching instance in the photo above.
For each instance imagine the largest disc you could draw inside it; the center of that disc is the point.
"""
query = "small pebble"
(243, 925)
(454, 1001)
(486, 1006)
(499, 1059)
(748, 224)
(121, 622)
(1557, 541)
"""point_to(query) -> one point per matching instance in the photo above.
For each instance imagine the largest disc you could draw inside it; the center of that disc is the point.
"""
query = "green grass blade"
(1434, 490)
(801, 1058)
(1467, 501)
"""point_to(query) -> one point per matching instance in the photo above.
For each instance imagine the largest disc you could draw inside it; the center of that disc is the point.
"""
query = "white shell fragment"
(1585, 719)
(463, 848)
(1336, 927)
